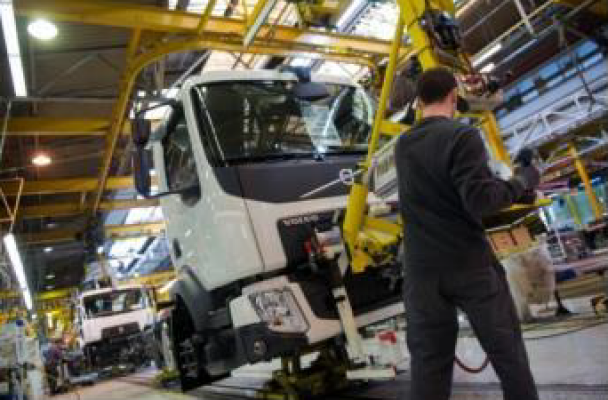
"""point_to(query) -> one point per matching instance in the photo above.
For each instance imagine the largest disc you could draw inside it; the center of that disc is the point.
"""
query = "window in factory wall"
(551, 74)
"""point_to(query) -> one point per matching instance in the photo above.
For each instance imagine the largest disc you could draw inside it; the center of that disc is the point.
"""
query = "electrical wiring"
(472, 370)
(567, 332)
(486, 362)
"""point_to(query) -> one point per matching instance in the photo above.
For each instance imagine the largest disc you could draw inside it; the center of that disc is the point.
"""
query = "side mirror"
(140, 132)
(141, 172)
(310, 91)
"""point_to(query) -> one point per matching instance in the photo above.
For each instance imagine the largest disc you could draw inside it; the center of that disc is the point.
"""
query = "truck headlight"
(279, 310)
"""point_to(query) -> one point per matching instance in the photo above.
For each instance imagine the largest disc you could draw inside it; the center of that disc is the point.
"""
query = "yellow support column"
(573, 208)
(495, 139)
(357, 200)
(582, 172)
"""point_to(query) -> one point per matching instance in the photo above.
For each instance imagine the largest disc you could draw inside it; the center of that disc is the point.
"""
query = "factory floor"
(138, 386)
(569, 361)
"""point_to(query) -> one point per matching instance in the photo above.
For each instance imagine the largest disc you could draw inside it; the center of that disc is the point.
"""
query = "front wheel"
(187, 350)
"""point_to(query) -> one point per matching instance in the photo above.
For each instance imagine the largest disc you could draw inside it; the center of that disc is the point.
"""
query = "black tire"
(187, 350)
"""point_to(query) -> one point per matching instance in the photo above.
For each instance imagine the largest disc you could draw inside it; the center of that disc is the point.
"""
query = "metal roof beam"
(161, 20)
(67, 209)
(598, 7)
(113, 232)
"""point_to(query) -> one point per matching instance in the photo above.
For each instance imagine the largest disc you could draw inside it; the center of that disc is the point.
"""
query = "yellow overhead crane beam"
(42, 126)
(113, 232)
(72, 185)
(216, 29)
(67, 209)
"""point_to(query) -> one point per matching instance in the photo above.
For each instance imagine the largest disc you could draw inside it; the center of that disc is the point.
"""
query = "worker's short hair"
(435, 84)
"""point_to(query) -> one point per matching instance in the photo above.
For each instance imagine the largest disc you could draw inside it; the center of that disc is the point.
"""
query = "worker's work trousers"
(431, 302)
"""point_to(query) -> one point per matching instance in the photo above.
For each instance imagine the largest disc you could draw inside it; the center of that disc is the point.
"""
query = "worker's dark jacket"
(445, 186)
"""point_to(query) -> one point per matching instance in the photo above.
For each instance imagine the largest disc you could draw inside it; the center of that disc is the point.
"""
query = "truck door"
(204, 225)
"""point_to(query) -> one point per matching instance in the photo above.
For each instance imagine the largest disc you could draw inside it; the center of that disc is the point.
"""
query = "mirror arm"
(169, 192)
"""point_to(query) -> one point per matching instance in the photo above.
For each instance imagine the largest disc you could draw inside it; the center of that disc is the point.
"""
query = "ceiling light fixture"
(48, 249)
(348, 13)
(488, 68)
(42, 29)
(41, 160)
(11, 42)
(50, 276)
(484, 55)
(15, 257)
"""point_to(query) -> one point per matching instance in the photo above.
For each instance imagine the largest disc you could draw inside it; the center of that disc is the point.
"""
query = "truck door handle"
(177, 248)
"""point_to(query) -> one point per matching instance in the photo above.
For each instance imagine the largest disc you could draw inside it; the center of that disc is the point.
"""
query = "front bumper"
(257, 340)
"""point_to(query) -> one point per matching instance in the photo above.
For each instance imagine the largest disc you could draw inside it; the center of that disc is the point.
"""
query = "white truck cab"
(251, 168)
(111, 321)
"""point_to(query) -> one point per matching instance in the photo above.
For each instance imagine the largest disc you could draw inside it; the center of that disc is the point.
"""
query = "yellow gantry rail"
(67, 209)
(113, 232)
(41, 126)
(71, 185)
(155, 19)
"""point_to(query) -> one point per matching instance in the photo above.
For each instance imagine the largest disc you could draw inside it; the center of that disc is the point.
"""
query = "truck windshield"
(259, 120)
(115, 302)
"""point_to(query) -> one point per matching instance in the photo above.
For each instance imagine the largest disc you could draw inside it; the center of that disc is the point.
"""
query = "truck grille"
(120, 330)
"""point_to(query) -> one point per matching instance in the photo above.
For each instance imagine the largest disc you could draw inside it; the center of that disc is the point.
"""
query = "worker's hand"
(528, 197)
(525, 170)
(528, 176)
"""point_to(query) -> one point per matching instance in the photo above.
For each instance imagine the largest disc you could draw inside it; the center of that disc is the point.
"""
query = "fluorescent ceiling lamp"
(348, 13)
(488, 68)
(42, 29)
(41, 160)
(487, 54)
(15, 257)
(48, 249)
(9, 29)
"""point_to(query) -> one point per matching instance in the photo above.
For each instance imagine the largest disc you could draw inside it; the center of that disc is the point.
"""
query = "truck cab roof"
(108, 290)
(259, 75)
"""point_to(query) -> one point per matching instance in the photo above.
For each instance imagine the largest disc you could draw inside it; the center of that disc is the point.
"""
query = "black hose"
(472, 370)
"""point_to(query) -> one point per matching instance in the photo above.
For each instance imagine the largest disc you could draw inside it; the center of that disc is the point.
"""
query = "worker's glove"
(528, 197)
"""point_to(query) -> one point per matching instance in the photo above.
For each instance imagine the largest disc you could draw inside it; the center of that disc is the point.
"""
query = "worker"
(445, 187)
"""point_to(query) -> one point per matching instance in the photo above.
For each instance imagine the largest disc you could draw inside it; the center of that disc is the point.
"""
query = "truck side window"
(180, 165)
